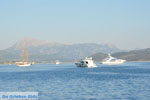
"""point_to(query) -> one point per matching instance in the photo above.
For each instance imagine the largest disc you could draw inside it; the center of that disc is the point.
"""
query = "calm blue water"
(130, 81)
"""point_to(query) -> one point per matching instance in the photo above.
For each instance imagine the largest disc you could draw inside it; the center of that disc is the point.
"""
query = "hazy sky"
(124, 23)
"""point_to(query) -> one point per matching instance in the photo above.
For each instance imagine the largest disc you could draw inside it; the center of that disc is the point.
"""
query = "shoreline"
(73, 62)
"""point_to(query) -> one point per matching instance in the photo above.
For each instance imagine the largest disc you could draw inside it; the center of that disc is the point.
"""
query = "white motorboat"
(87, 62)
(112, 60)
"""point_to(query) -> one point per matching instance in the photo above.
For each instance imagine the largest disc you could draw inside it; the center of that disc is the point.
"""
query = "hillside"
(44, 51)
(134, 55)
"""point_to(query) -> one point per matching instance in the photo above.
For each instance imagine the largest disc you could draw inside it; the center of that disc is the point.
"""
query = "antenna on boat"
(109, 55)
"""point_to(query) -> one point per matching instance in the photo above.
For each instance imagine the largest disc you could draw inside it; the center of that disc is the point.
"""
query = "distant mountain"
(44, 51)
(134, 55)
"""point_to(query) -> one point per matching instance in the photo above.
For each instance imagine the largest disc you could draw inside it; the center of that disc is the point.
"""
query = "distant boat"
(87, 62)
(24, 63)
(112, 60)
(57, 62)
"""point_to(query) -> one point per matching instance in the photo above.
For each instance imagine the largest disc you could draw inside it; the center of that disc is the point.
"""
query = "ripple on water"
(67, 82)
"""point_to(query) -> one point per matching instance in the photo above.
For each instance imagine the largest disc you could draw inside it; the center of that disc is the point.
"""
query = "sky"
(124, 23)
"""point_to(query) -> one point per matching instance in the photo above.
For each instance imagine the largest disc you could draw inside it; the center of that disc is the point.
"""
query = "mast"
(27, 55)
(22, 52)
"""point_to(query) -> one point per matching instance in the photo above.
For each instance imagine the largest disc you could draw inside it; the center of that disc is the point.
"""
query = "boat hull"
(84, 65)
(23, 64)
(26, 65)
(113, 63)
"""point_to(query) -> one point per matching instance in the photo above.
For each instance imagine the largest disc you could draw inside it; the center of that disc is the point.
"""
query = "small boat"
(87, 62)
(112, 60)
(57, 62)
(24, 63)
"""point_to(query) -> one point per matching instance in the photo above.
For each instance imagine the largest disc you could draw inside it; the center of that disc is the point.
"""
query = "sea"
(129, 81)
